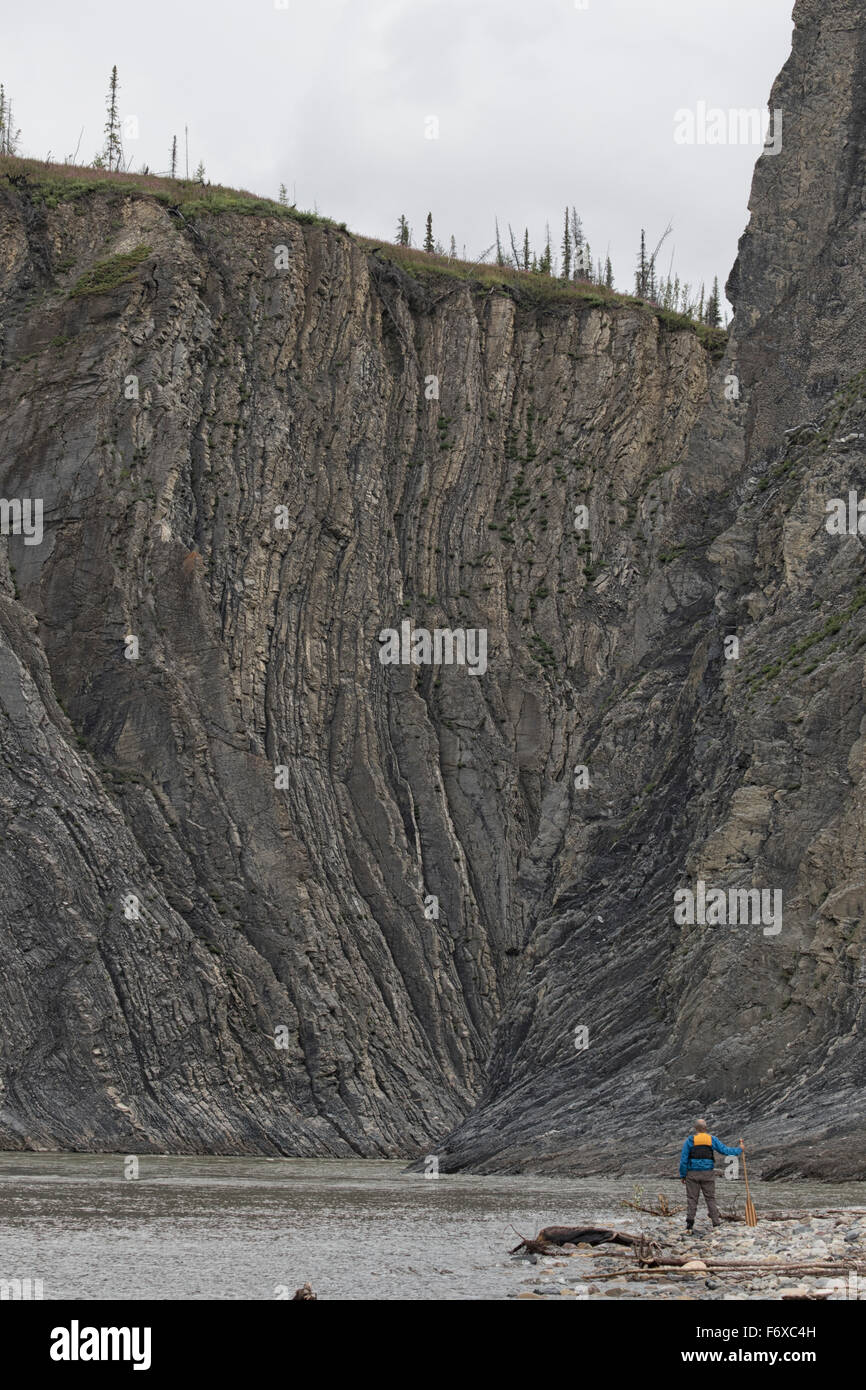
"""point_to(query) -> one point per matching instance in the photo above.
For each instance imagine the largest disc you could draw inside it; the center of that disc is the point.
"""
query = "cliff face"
(798, 282)
(754, 765)
(234, 426)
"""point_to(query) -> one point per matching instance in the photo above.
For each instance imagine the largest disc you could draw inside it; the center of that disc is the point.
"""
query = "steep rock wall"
(164, 418)
(756, 764)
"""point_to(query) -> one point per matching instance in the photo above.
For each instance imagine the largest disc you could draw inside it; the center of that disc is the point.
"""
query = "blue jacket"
(702, 1165)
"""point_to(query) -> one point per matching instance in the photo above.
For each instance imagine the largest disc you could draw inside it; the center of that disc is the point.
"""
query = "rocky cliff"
(262, 892)
(741, 766)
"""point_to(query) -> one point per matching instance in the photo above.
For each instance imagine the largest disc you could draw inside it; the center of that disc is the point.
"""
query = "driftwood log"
(805, 1215)
(648, 1253)
(554, 1236)
(788, 1215)
(660, 1208)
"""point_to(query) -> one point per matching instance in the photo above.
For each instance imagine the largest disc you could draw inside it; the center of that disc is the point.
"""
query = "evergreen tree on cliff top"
(113, 150)
(566, 249)
(713, 316)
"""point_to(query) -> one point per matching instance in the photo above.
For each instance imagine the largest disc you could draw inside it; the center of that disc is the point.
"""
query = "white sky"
(540, 104)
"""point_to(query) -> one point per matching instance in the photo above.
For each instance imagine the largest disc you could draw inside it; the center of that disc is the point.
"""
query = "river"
(251, 1228)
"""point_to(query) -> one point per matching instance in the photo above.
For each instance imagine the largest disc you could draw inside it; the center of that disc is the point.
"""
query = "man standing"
(697, 1170)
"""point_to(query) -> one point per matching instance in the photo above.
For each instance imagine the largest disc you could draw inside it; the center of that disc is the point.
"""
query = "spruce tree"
(174, 156)
(200, 172)
(403, 237)
(452, 250)
(641, 276)
(545, 264)
(428, 235)
(500, 259)
(577, 237)
(714, 314)
(113, 147)
(9, 136)
(582, 257)
(13, 134)
(284, 196)
(526, 252)
(6, 137)
(608, 274)
(577, 240)
(566, 249)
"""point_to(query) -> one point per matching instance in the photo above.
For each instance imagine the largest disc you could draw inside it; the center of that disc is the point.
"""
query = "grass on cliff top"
(426, 267)
(53, 184)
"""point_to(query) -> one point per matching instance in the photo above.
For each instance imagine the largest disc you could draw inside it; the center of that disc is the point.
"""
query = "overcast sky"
(539, 103)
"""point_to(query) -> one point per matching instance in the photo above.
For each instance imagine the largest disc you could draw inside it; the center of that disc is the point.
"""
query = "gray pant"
(696, 1183)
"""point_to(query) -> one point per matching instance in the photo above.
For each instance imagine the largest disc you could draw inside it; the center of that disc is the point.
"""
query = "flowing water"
(250, 1228)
